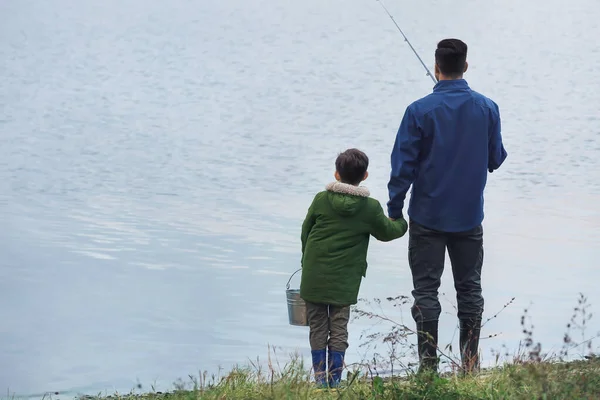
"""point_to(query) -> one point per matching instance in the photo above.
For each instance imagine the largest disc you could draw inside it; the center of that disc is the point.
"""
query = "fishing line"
(407, 41)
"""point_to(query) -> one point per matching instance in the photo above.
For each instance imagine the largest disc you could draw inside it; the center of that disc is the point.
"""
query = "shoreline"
(578, 379)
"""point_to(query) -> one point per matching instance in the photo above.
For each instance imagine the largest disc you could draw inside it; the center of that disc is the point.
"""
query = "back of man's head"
(451, 57)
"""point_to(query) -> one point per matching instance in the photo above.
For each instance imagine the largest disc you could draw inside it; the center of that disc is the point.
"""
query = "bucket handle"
(289, 280)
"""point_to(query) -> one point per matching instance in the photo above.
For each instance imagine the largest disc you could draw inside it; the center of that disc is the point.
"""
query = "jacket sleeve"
(384, 229)
(307, 225)
(404, 160)
(496, 152)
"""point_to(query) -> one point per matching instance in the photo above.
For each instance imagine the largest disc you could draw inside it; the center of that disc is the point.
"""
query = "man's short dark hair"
(451, 56)
(352, 165)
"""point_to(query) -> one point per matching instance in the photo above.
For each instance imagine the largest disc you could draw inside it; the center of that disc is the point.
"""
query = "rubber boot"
(336, 367)
(470, 330)
(427, 337)
(319, 360)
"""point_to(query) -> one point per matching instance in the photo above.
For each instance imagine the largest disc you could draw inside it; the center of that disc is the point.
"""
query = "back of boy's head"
(352, 166)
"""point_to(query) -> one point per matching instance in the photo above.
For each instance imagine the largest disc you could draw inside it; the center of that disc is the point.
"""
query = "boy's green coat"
(335, 239)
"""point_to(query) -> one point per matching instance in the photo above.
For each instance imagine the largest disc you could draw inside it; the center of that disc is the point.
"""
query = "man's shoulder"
(424, 104)
(484, 100)
(431, 101)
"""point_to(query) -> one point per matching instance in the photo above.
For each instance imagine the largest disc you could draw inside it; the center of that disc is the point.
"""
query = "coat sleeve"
(497, 153)
(384, 229)
(309, 222)
(405, 161)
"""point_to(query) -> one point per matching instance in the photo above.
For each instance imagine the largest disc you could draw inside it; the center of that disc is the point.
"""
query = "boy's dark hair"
(352, 165)
(450, 57)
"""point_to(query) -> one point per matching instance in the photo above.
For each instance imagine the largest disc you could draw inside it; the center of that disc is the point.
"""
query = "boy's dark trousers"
(328, 335)
(426, 254)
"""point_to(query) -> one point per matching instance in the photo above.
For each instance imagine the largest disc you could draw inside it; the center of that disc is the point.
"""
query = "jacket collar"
(344, 188)
(451, 85)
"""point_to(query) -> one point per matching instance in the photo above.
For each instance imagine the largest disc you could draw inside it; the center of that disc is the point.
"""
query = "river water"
(157, 159)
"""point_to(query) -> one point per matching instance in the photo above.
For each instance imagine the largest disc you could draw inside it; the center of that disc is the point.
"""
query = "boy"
(335, 238)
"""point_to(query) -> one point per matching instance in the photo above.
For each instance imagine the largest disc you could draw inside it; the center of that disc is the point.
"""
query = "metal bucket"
(296, 306)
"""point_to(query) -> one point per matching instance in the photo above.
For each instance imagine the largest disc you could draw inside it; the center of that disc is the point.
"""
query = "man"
(446, 144)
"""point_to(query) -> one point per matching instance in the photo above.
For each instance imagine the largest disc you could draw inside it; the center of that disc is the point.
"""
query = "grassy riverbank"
(535, 380)
(529, 374)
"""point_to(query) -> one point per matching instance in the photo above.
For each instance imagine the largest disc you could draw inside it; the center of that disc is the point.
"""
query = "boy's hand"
(392, 219)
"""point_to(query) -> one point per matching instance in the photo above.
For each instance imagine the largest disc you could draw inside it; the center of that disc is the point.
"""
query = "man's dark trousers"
(426, 254)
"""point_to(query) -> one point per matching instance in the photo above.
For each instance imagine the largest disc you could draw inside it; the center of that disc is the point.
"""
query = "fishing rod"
(407, 41)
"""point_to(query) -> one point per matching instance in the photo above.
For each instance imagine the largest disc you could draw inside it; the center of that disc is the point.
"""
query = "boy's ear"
(366, 176)
(337, 176)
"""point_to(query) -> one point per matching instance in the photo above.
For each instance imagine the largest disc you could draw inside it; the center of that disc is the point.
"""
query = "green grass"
(535, 380)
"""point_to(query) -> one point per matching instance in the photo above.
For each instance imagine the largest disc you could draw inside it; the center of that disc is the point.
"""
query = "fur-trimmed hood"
(344, 188)
(347, 199)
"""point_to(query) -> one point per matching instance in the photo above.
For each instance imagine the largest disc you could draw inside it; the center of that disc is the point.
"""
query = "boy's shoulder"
(320, 195)
(373, 201)
(374, 205)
